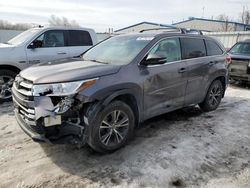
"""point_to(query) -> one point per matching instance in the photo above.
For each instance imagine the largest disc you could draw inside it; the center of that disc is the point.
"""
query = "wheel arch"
(11, 68)
(223, 80)
(130, 99)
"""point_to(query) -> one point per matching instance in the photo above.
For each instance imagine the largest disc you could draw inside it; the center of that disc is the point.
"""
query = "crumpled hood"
(67, 71)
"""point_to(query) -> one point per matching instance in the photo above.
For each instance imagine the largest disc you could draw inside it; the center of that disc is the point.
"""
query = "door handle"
(61, 53)
(182, 70)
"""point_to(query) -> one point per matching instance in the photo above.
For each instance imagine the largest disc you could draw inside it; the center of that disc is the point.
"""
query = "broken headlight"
(61, 89)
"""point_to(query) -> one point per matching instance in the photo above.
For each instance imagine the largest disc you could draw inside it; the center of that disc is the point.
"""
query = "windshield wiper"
(6, 43)
(97, 61)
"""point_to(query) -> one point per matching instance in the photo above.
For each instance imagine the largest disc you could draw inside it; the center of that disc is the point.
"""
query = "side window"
(53, 38)
(168, 48)
(213, 48)
(192, 48)
(79, 38)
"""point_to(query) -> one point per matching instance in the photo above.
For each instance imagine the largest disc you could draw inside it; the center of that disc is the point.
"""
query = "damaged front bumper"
(240, 77)
(42, 119)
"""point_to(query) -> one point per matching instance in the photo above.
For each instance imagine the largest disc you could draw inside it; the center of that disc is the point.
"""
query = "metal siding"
(228, 39)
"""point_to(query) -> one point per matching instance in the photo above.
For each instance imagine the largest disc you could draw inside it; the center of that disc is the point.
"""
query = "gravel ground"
(185, 148)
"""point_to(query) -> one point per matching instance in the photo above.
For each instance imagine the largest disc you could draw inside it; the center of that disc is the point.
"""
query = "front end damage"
(49, 118)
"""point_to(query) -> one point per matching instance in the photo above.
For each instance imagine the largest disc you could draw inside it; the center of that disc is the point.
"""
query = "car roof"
(62, 27)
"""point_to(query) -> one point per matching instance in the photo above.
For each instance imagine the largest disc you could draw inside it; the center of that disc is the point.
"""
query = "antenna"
(203, 10)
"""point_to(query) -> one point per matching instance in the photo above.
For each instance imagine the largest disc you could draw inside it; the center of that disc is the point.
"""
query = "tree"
(18, 26)
(225, 25)
(61, 21)
(245, 15)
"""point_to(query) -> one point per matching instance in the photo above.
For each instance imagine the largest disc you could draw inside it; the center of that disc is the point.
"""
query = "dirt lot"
(186, 148)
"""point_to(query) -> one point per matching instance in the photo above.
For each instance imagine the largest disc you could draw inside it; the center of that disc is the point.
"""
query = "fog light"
(63, 105)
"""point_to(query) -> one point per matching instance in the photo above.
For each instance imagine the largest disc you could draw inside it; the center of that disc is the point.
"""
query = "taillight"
(228, 59)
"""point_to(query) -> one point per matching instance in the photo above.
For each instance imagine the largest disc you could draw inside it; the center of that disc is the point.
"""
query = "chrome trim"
(28, 110)
(26, 85)
(30, 116)
(22, 91)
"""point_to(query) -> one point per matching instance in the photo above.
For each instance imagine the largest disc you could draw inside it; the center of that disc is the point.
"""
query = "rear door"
(202, 57)
(52, 47)
(194, 54)
(78, 42)
(165, 84)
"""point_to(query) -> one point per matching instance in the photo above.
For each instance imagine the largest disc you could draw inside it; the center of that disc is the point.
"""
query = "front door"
(165, 84)
(50, 46)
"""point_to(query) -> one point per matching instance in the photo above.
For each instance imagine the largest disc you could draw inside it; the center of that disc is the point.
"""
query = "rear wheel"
(213, 97)
(112, 127)
(6, 81)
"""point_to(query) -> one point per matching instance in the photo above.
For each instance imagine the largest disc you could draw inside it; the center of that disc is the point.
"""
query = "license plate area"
(51, 121)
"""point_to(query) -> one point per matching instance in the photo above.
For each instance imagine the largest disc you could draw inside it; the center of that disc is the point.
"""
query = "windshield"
(19, 39)
(241, 48)
(117, 50)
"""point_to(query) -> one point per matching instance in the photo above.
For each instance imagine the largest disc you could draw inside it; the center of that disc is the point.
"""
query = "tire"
(213, 96)
(7, 78)
(111, 127)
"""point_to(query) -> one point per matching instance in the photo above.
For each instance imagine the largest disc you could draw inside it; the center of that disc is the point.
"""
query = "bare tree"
(225, 25)
(245, 15)
(18, 26)
(61, 21)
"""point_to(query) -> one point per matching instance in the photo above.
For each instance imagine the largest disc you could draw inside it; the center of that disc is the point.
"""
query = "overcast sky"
(102, 14)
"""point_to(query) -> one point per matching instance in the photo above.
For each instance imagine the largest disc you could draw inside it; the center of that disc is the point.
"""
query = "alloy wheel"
(6, 83)
(215, 95)
(114, 128)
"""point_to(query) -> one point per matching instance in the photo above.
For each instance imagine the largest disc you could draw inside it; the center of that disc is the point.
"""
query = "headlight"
(249, 64)
(62, 89)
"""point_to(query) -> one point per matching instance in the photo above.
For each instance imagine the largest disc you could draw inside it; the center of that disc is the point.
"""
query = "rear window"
(192, 48)
(79, 38)
(213, 48)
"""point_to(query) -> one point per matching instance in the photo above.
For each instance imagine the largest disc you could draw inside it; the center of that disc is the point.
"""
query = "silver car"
(39, 45)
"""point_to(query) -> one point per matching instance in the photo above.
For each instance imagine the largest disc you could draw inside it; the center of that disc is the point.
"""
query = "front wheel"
(213, 97)
(6, 81)
(112, 127)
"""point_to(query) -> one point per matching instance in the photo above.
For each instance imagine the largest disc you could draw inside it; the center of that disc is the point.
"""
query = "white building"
(212, 25)
(192, 23)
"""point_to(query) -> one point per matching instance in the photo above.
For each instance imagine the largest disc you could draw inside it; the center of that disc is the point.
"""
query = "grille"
(24, 104)
(23, 86)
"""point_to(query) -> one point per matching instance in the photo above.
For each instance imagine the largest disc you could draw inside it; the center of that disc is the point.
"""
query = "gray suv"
(100, 98)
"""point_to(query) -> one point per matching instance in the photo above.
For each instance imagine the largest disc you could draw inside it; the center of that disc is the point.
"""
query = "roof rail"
(192, 31)
(170, 29)
(175, 29)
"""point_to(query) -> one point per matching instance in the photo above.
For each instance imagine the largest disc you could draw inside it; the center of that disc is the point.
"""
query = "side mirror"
(153, 59)
(35, 44)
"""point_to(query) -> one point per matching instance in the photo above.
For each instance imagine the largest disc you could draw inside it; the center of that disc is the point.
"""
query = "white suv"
(38, 45)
